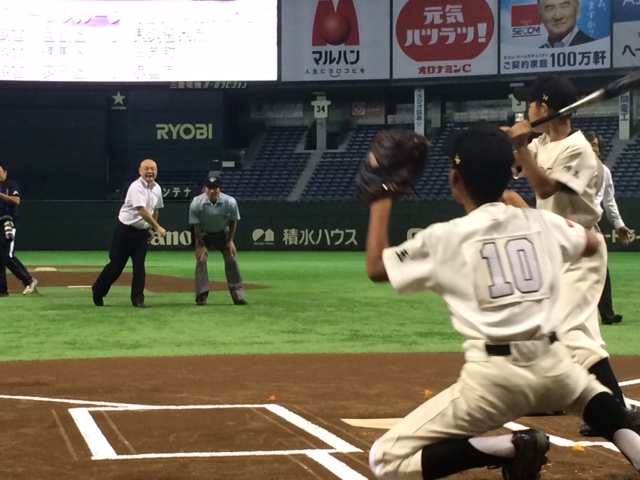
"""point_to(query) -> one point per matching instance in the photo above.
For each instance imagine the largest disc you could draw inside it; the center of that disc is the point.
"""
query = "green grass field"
(315, 303)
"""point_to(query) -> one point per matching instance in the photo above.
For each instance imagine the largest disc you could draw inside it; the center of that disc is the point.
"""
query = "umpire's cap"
(555, 91)
(212, 182)
(483, 154)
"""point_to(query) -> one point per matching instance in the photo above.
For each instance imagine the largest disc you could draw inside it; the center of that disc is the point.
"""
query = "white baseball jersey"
(498, 269)
(570, 161)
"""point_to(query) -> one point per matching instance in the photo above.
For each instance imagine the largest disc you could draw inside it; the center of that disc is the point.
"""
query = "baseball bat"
(611, 90)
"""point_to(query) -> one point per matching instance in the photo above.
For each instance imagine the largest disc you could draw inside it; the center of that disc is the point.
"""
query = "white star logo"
(118, 99)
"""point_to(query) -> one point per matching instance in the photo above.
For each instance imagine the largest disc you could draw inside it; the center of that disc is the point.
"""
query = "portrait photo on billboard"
(440, 38)
(551, 35)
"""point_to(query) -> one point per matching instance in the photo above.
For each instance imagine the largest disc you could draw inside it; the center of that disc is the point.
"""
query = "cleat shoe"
(586, 431)
(31, 287)
(612, 320)
(634, 418)
(240, 302)
(139, 304)
(4, 294)
(201, 300)
(531, 454)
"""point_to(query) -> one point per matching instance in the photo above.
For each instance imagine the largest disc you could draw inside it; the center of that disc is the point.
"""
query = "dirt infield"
(238, 417)
(84, 276)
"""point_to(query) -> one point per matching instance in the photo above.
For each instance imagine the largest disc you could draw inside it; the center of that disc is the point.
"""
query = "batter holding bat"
(566, 177)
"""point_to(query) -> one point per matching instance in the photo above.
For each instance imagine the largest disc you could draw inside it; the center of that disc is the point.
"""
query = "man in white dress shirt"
(606, 197)
(137, 221)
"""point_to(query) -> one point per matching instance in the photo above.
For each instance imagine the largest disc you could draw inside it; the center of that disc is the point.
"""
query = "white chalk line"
(102, 450)
(626, 383)
(66, 400)
(93, 436)
(312, 429)
(336, 467)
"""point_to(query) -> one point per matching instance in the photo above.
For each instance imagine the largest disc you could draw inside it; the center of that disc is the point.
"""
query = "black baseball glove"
(399, 156)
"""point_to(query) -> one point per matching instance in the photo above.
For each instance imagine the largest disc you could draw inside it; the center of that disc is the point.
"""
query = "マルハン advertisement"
(626, 33)
(554, 35)
(335, 40)
(440, 38)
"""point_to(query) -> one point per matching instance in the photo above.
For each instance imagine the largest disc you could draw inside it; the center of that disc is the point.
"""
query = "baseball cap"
(554, 90)
(212, 182)
(483, 154)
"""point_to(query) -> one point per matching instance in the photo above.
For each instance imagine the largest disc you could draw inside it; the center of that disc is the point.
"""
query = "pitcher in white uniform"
(499, 271)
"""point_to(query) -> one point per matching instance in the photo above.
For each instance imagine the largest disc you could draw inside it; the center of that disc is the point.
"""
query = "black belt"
(137, 231)
(504, 350)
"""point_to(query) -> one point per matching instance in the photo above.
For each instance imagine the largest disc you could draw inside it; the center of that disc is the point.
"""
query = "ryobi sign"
(184, 131)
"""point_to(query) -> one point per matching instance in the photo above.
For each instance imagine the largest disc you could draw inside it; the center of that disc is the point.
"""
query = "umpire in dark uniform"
(137, 221)
(214, 217)
(9, 201)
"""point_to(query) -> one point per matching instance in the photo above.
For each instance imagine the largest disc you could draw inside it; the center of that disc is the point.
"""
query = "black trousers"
(605, 305)
(9, 261)
(128, 242)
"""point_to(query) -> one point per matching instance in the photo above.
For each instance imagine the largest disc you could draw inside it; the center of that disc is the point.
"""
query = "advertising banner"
(626, 33)
(440, 38)
(335, 40)
(289, 226)
(265, 110)
(418, 110)
(554, 35)
(624, 116)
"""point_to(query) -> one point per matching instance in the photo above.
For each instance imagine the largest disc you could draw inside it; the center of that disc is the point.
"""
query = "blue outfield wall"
(265, 226)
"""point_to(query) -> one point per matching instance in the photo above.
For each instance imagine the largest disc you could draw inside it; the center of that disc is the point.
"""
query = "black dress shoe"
(611, 320)
(98, 301)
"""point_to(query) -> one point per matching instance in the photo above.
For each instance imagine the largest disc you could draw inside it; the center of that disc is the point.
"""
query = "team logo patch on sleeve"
(402, 255)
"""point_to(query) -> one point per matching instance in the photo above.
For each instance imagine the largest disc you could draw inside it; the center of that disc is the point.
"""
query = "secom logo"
(184, 131)
(335, 26)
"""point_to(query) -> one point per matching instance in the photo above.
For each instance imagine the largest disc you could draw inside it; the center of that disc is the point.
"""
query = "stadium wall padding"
(264, 226)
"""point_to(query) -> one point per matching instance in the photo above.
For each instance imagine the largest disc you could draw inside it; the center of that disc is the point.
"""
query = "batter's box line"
(70, 401)
(101, 449)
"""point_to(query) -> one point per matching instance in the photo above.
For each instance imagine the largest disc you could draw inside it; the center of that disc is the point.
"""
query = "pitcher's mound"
(63, 277)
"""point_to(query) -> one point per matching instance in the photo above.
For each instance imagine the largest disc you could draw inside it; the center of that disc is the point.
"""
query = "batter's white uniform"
(498, 270)
(572, 162)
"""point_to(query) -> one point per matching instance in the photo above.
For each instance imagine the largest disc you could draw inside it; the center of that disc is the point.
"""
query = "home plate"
(381, 423)
(45, 269)
(81, 287)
